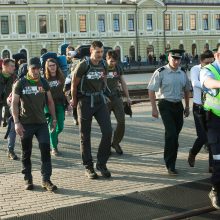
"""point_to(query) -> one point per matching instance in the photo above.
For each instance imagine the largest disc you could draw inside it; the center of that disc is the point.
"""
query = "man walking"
(170, 83)
(87, 89)
(30, 95)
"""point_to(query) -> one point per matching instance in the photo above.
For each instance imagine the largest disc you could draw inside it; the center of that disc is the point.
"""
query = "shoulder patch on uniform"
(161, 69)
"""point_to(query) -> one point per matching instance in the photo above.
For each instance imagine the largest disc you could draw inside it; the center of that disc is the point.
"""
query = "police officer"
(115, 78)
(30, 94)
(210, 79)
(170, 83)
(88, 84)
(201, 139)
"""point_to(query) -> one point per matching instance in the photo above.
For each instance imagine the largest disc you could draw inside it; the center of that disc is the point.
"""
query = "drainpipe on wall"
(136, 28)
(164, 30)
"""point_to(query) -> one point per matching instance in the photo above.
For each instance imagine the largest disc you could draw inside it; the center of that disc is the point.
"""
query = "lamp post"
(64, 26)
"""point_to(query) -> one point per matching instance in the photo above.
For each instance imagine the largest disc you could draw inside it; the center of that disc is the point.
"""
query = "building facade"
(134, 28)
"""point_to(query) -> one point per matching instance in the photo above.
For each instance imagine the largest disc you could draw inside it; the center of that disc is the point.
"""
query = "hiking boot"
(90, 173)
(191, 159)
(104, 170)
(214, 197)
(29, 185)
(55, 152)
(49, 186)
(117, 148)
(172, 172)
(12, 155)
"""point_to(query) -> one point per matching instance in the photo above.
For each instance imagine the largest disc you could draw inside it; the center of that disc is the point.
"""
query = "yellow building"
(135, 28)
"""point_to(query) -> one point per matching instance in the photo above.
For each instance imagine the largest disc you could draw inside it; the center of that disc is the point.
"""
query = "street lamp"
(64, 26)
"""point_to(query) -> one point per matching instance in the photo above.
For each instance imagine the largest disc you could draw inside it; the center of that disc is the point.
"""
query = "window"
(62, 23)
(217, 22)
(131, 22)
(43, 24)
(21, 24)
(4, 25)
(193, 22)
(5, 54)
(116, 24)
(205, 22)
(101, 23)
(180, 22)
(82, 23)
(167, 22)
(149, 22)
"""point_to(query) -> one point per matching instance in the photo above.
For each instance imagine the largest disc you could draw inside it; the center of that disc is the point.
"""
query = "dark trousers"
(200, 131)
(85, 115)
(116, 105)
(42, 134)
(172, 116)
(213, 125)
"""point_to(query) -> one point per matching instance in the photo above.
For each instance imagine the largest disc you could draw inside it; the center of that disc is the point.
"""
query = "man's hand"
(19, 129)
(186, 112)
(129, 101)
(73, 103)
(53, 125)
(155, 113)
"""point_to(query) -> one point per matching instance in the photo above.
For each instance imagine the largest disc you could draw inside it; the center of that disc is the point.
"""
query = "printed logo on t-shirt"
(54, 83)
(95, 75)
(112, 74)
(32, 90)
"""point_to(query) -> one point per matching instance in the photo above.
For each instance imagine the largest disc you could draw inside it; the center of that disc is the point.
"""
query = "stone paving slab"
(141, 168)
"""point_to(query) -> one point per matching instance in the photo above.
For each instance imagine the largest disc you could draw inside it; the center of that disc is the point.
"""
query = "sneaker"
(55, 152)
(49, 186)
(191, 159)
(213, 195)
(90, 173)
(12, 155)
(104, 170)
(117, 148)
(172, 172)
(29, 185)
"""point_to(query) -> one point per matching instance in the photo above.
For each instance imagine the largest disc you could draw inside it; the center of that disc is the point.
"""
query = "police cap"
(176, 53)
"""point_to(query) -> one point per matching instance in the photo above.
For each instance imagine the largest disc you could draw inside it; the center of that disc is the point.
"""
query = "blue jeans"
(11, 137)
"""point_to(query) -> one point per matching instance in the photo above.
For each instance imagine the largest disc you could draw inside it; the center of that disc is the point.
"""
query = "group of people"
(169, 84)
(38, 108)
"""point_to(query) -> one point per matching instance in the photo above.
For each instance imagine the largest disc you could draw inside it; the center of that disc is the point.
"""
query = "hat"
(176, 53)
(35, 62)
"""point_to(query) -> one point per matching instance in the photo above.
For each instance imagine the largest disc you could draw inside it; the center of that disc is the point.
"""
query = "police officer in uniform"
(170, 84)
(210, 79)
(29, 97)
(87, 89)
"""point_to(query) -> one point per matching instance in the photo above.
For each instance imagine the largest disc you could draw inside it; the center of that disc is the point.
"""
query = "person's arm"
(152, 97)
(125, 89)
(74, 85)
(51, 107)
(194, 75)
(186, 98)
(211, 83)
(15, 113)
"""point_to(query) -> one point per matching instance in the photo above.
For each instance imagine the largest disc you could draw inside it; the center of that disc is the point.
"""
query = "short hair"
(112, 54)
(70, 47)
(6, 61)
(96, 43)
(206, 54)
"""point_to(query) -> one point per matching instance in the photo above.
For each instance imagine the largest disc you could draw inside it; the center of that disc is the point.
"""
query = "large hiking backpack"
(61, 60)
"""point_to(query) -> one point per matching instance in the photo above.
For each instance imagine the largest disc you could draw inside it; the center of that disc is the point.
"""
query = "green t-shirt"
(114, 78)
(56, 88)
(33, 100)
(92, 76)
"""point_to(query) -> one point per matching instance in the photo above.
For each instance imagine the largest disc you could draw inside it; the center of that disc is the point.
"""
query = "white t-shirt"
(196, 84)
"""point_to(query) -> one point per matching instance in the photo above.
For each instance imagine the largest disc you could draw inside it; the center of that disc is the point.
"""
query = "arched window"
(181, 47)
(43, 51)
(206, 47)
(167, 47)
(194, 50)
(5, 54)
(118, 51)
(132, 53)
(150, 50)
(23, 51)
